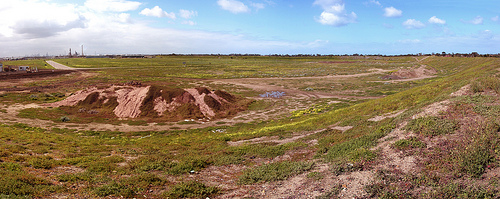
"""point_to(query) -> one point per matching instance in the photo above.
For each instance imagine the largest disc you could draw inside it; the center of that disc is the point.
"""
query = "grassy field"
(456, 152)
(39, 63)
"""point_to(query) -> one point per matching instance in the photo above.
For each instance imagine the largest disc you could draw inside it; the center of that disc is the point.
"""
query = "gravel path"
(60, 66)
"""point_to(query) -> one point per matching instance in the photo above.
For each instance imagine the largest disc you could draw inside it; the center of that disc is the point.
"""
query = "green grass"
(274, 172)
(431, 126)
(191, 189)
(39, 63)
(128, 164)
(409, 143)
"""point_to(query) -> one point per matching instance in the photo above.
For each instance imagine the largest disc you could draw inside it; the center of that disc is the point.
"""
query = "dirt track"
(59, 66)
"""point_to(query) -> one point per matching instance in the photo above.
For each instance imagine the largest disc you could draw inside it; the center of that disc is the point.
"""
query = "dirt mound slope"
(156, 102)
(422, 71)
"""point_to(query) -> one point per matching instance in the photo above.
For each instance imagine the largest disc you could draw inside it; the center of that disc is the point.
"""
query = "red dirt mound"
(157, 102)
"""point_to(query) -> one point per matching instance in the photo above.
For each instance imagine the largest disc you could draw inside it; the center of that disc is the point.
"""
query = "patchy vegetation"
(306, 143)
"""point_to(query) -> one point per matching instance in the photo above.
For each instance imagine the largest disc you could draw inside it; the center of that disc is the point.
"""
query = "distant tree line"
(355, 55)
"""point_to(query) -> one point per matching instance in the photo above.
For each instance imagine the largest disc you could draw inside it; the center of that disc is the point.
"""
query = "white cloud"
(435, 20)
(334, 13)
(413, 24)
(372, 2)
(191, 23)
(392, 12)
(258, 6)
(112, 5)
(233, 6)
(495, 19)
(476, 21)
(38, 19)
(187, 14)
(124, 18)
(40, 27)
(157, 12)
(409, 41)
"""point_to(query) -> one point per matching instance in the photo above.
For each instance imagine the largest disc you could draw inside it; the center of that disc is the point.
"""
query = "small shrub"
(353, 146)
(116, 189)
(100, 166)
(228, 159)
(144, 180)
(431, 126)
(333, 193)
(188, 166)
(478, 155)
(346, 167)
(68, 177)
(64, 119)
(409, 143)
(23, 184)
(315, 175)
(274, 172)
(191, 189)
(484, 83)
(42, 162)
(33, 97)
(10, 166)
(151, 163)
(460, 190)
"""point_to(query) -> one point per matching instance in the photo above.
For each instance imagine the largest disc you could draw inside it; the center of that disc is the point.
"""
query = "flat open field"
(252, 127)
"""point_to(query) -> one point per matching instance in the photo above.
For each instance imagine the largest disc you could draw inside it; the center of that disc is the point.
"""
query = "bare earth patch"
(387, 115)
(433, 109)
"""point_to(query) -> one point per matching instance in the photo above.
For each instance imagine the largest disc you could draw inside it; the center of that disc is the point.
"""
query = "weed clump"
(191, 189)
(486, 83)
(274, 172)
(432, 126)
(410, 143)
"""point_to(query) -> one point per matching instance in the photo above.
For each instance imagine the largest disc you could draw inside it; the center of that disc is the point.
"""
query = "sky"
(391, 27)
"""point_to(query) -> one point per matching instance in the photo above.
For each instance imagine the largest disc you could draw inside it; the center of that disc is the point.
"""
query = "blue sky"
(42, 27)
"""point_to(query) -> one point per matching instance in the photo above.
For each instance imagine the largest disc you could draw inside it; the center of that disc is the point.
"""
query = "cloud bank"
(334, 13)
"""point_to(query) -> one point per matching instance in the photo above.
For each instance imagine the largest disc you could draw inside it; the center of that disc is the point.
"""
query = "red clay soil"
(171, 104)
(40, 73)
